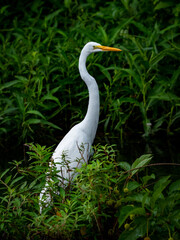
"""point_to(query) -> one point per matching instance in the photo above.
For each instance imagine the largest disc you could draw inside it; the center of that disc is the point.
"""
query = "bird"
(75, 148)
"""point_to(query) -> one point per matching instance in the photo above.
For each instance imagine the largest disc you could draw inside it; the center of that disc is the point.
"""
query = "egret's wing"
(71, 152)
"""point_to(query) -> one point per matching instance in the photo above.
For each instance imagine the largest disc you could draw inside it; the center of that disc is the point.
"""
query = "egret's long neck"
(91, 119)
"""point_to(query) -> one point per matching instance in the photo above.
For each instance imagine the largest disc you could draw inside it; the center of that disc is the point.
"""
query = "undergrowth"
(106, 200)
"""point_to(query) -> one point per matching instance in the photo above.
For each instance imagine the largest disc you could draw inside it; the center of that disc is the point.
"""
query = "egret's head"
(91, 47)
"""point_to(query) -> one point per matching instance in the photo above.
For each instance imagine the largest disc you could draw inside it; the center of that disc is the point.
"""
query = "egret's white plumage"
(75, 147)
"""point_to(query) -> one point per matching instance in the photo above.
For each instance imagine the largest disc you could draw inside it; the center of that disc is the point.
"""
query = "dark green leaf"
(126, 211)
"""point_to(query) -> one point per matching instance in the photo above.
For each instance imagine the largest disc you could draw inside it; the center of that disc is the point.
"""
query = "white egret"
(75, 147)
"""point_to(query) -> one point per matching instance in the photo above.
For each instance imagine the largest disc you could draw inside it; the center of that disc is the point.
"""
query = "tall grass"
(41, 91)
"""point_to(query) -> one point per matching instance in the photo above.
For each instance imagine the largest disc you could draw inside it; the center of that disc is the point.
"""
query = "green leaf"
(16, 180)
(145, 179)
(117, 30)
(175, 186)
(67, 3)
(23, 185)
(62, 192)
(33, 121)
(20, 102)
(33, 184)
(51, 124)
(35, 112)
(158, 188)
(128, 100)
(125, 166)
(162, 5)
(142, 198)
(140, 162)
(104, 34)
(4, 173)
(174, 218)
(136, 233)
(126, 211)
(104, 71)
(3, 9)
(8, 84)
(158, 57)
(166, 96)
(132, 185)
(4, 199)
(62, 33)
(136, 78)
(53, 15)
(49, 96)
(22, 79)
(8, 179)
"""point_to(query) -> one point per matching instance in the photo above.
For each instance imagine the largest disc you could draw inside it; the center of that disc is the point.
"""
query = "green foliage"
(40, 87)
(41, 91)
(107, 198)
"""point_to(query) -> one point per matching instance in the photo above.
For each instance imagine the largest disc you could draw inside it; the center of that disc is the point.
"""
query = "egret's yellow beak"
(105, 48)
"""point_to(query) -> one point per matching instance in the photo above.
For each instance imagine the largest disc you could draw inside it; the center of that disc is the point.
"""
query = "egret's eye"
(96, 47)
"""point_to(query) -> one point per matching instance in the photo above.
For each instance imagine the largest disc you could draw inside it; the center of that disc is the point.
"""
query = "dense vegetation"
(107, 200)
(41, 91)
(42, 96)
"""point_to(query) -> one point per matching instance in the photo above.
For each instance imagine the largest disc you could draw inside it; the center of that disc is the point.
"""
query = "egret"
(75, 147)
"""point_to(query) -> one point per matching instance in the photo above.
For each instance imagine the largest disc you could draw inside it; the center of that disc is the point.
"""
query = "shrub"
(96, 204)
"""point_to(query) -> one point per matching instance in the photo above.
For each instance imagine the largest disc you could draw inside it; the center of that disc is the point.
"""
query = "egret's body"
(75, 147)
